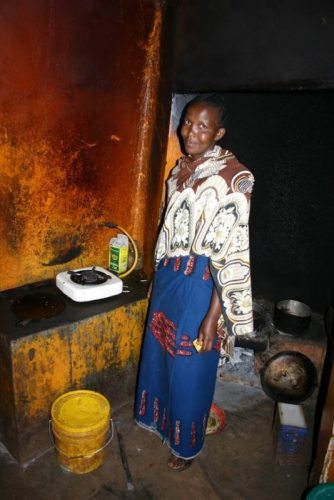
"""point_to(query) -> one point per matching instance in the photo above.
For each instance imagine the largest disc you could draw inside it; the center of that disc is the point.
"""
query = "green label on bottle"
(118, 259)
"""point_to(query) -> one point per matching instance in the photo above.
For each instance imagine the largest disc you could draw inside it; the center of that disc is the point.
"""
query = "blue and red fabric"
(176, 384)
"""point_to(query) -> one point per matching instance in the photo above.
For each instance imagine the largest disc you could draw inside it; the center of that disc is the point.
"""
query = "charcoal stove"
(89, 283)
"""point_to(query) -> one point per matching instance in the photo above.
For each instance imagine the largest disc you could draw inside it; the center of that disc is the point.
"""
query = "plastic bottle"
(118, 253)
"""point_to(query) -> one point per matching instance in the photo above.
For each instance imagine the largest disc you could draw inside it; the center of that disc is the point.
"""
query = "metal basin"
(289, 377)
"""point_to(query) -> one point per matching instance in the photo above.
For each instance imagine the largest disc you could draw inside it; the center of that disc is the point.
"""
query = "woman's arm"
(208, 328)
(230, 266)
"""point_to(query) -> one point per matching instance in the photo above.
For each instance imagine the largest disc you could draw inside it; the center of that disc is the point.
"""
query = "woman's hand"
(208, 328)
(207, 333)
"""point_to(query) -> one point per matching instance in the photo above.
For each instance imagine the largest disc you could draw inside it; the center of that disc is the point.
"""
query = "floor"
(238, 463)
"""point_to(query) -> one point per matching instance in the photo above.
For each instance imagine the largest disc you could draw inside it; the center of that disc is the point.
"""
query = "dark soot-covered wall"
(286, 140)
(258, 44)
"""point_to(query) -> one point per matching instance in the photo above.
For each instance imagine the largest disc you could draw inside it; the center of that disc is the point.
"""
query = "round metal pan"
(289, 377)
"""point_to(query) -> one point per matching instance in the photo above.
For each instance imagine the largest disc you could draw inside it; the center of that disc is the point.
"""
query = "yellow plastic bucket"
(80, 423)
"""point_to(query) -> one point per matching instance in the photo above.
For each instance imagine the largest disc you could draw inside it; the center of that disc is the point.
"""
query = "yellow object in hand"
(198, 344)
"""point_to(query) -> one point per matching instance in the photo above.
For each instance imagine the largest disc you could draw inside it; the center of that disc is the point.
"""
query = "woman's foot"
(178, 464)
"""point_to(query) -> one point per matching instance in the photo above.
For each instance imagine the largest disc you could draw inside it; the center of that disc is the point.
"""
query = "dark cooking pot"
(289, 377)
(292, 317)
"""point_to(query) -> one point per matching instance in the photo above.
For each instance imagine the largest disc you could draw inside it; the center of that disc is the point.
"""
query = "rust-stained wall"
(100, 353)
(82, 95)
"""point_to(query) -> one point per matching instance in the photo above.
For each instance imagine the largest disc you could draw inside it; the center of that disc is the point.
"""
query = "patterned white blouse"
(207, 214)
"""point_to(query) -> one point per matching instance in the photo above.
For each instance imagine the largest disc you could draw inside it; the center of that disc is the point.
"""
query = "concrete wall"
(80, 93)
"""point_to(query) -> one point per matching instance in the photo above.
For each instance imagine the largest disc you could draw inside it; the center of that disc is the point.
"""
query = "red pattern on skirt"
(143, 401)
(177, 264)
(193, 434)
(190, 265)
(206, 274)
(164, 330)
(156, 411)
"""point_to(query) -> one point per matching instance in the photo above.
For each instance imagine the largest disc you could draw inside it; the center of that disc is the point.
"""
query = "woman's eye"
(186, 122)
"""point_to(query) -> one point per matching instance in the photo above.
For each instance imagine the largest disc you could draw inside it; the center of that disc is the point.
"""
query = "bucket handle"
(110, 438)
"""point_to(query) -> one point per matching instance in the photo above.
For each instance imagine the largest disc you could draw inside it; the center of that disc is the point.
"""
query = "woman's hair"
(214, 100)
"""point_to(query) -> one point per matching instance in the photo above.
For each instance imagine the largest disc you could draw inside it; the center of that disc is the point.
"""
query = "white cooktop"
(87, 292)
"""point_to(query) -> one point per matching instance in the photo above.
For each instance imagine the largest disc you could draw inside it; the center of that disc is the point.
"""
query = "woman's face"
(200, 129)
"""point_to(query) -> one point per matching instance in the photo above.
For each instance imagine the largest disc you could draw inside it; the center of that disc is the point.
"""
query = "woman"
(201, 286)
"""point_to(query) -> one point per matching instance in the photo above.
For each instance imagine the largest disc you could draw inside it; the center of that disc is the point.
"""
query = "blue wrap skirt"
(176, 383)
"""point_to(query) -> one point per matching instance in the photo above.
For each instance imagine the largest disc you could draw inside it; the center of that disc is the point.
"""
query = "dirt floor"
(239, 463)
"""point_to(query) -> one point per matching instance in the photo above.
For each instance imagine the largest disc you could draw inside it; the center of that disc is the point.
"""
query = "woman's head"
(202, 124)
